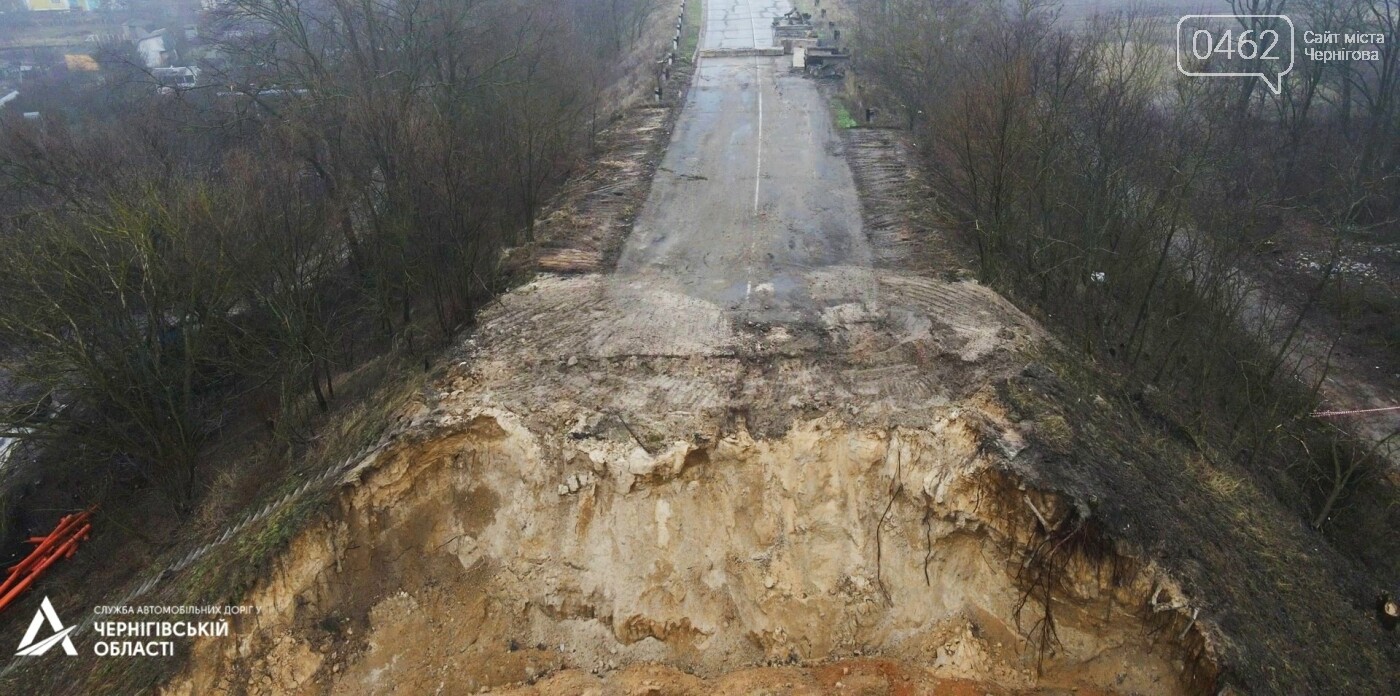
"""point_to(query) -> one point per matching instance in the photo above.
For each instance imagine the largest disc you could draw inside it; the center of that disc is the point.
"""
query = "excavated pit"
(476, 554)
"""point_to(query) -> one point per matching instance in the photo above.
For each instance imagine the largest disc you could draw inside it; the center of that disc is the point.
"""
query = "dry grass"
(373, 398)
(1242, 555)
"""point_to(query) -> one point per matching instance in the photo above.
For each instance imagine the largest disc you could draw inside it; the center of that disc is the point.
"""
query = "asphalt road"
(753, 192)
(741, 23)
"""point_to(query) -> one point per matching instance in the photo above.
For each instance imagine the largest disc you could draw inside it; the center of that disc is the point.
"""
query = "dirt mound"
(619, 474)
(469, 559)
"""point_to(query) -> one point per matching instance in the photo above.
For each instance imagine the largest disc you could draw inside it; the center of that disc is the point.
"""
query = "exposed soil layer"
(616, 474)
(478, 557)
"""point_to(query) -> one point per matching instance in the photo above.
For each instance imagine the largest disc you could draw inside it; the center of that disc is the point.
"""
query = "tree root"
(1046, 573)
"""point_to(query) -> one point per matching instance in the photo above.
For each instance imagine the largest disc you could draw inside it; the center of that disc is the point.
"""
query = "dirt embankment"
(479, 555)
(617, 475)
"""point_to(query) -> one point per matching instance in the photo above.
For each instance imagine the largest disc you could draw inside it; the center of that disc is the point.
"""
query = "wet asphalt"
(754, 191)
(738, 24)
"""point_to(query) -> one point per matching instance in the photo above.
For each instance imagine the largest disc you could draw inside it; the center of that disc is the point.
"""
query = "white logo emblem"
(27, 646)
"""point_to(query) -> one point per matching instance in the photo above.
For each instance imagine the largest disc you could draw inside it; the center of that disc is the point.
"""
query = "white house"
(151, 46)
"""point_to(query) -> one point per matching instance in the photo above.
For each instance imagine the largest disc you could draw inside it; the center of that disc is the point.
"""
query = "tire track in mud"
(893, 197)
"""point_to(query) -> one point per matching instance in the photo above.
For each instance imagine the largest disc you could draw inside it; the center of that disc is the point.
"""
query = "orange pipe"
(68, 522)
(35, 557)
(42, 551)
(68, 547)
(78, 536)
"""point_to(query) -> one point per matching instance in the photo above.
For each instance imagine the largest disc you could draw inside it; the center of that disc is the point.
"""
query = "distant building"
(151, 46)
(64, 5)
(48, 5)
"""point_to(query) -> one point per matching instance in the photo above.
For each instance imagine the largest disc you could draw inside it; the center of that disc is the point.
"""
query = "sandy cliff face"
(583, 498)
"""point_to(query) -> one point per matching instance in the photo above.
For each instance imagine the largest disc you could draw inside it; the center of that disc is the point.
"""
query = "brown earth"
(615, 474)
